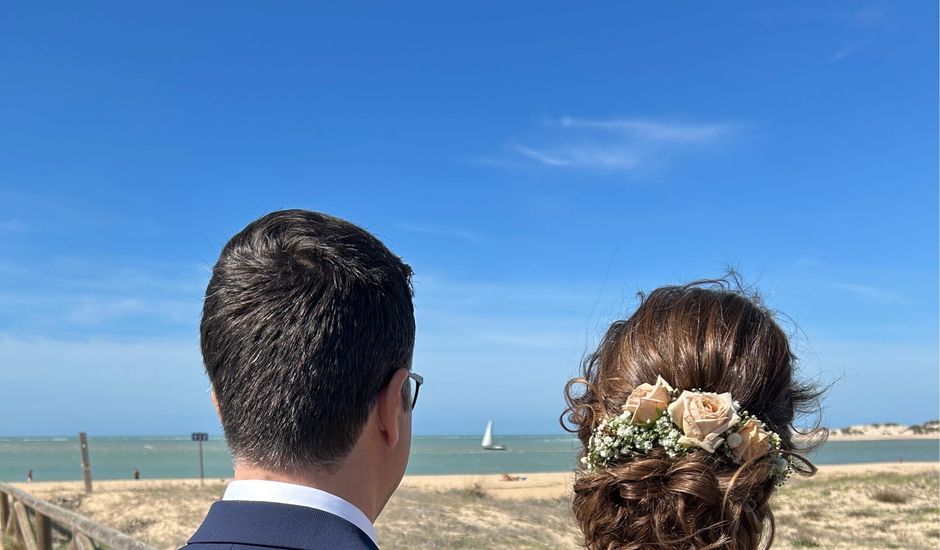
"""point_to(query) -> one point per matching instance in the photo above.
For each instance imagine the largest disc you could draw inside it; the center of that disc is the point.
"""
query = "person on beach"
(307, 336)
(136, 473)
(29, 476)
(685, 412)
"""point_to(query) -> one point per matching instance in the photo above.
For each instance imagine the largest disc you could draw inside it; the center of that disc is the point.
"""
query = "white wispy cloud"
(491, 317)
(862, 371)
(96, 310)
(843, 52)
(655, 131)
(74, 295)
(583, 156)
(441, 292)
(550, 159)
(808, 261)
(144, 385)
(877, 294)
(442, 230)
(870, 15)
(532, 339)
(861, 22)
(618, 144)
(13, 225)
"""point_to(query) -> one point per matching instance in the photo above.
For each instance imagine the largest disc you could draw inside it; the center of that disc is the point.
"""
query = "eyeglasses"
(414, 380)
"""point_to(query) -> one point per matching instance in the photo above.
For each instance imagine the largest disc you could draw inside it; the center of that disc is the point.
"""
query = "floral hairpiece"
(658, 415)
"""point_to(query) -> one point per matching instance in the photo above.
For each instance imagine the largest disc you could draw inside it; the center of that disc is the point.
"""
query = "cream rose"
(755, 442)
(703, 417)
(647, 401)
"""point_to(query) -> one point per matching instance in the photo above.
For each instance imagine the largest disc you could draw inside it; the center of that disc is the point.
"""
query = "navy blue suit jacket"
(244, 525)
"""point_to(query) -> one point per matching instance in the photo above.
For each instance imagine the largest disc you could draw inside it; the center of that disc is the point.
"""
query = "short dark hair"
(305, 320)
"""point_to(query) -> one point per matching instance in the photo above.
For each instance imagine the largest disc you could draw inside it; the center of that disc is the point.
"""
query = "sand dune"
(888, 431)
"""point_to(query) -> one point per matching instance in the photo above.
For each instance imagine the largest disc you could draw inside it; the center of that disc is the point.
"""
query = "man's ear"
(390, 408)
(215, 403)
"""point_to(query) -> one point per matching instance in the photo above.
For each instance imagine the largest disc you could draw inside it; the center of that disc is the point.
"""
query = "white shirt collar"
(299, 495)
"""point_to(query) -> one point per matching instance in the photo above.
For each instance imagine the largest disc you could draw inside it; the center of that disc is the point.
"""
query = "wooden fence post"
(5, 540)
(86, 463)
(4, 511)
(43, 531)
(83, 543)
(11, 521)
(28, 536)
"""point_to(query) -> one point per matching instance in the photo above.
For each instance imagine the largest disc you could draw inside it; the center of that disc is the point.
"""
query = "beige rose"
(755, 442)
(703, 417)
(647, 401)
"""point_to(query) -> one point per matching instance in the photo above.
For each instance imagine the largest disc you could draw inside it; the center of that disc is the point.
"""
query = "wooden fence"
(34, 524)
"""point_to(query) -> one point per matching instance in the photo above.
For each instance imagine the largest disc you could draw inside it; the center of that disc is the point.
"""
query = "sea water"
(59, 458)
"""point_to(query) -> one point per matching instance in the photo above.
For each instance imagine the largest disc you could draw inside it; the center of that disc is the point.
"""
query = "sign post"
(200, 437)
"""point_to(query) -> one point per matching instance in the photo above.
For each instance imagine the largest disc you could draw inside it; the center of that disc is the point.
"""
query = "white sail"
(488, 435)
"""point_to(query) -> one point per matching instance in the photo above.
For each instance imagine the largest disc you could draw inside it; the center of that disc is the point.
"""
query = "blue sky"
(537, 164)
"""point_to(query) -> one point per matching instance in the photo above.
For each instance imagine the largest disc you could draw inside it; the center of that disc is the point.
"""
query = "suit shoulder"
(228, 546)
(249, 525)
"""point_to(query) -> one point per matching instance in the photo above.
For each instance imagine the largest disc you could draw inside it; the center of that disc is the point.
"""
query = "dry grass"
(462, 518)
(890, 496)
(857, 510)
(867, 511)
(476, 488)
(162, 513)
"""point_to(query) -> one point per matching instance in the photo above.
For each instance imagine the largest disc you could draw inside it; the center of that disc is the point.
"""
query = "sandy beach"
(846, 506)
(880, 437)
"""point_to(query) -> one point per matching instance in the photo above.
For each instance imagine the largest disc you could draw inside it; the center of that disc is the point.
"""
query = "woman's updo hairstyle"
(705, 336)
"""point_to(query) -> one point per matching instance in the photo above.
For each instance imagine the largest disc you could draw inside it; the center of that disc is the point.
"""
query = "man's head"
(307, 319)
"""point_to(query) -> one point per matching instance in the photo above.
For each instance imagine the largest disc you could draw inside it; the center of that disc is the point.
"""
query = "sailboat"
(488, 439)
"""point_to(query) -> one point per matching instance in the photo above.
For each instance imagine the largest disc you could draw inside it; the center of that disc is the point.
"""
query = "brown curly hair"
(704, 336)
